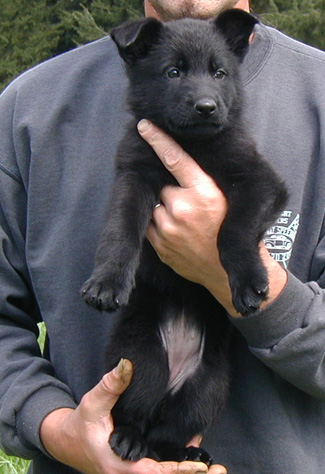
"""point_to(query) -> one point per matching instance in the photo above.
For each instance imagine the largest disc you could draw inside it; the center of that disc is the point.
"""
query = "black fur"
(184, 77)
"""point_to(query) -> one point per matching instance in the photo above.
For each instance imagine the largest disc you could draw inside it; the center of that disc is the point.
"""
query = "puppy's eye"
(173, 72)
(219, 74)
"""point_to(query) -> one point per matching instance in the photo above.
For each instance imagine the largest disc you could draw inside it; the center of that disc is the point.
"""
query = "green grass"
(11, 464)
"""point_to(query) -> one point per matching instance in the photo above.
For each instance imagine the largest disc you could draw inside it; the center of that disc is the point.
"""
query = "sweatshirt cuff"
(30, 417)
(267, 327)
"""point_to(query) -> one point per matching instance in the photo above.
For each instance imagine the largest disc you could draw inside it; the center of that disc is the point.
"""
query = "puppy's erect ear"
(134, 38)
(236, 26)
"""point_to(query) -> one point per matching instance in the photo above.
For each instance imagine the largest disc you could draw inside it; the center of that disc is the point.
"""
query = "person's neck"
(150, 11)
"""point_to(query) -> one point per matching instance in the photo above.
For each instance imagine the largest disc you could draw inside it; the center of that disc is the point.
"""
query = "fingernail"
(124, 370)
(143, 125)
(119, 368)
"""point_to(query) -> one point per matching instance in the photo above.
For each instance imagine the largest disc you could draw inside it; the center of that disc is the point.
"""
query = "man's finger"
(146, 465)
(99, 401)
(188, 467)
(181, 165)
(217, 469)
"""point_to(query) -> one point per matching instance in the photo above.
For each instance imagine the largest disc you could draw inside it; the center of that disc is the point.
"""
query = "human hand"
(185, 226)
(79, 438)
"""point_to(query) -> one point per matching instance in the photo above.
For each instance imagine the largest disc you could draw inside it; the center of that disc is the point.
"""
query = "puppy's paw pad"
(128, 443)
(198, 455)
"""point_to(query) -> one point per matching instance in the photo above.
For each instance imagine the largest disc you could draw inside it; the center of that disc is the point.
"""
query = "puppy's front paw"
(105, 293)
(128, 443)
(249, 292)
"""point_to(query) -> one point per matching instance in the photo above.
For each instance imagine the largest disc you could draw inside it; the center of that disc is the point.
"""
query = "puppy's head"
(184, 74)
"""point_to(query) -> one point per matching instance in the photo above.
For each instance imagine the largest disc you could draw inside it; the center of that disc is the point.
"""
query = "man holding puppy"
(59, 127)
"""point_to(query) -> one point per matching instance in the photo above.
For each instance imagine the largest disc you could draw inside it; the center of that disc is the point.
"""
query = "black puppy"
(184, 77)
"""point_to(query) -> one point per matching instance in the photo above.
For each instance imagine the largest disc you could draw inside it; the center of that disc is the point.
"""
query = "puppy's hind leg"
(190, 412)
(128, 443)
(136, 338)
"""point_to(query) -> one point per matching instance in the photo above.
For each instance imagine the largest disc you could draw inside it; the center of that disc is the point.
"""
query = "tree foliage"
(21, 43)
(301, 19)
(34, 30)
(92, 21)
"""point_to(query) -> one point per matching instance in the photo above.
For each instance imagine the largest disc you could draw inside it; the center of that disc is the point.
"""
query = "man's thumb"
(117, 381)
(101, 399)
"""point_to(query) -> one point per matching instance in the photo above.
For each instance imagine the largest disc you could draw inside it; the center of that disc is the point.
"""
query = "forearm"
(53, 435)
(28, 390)
(288, 335)
(79, 437)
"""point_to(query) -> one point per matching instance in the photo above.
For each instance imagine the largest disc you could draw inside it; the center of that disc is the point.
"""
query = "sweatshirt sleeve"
(289, 335)
(28, 389)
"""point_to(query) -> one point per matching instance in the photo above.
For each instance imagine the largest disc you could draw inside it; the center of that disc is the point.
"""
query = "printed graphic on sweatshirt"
(279, 239)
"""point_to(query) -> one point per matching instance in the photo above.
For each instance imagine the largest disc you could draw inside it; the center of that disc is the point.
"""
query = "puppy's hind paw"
(128, 443)
(198, 455)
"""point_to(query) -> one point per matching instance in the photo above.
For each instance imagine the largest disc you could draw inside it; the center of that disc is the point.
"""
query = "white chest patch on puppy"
(184, 344)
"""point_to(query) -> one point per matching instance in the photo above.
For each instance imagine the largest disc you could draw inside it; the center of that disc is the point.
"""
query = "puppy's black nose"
(205, 107)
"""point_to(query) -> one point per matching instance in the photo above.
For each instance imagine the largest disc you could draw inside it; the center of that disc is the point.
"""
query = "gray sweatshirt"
(59, 126)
